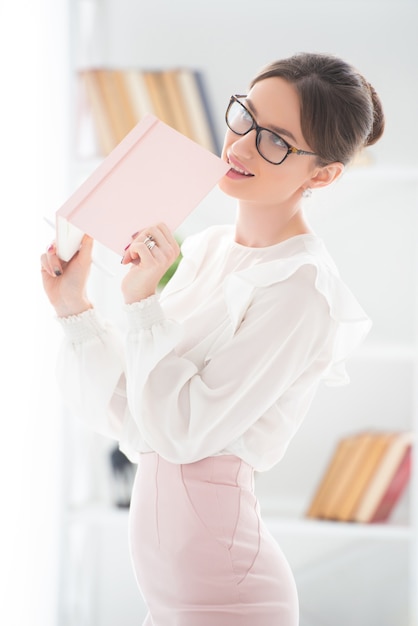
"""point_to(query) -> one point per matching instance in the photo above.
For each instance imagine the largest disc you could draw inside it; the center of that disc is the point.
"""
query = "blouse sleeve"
(90, 373)
(186, 413)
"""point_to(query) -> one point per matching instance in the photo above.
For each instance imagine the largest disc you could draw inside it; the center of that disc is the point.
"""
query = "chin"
(230, 189)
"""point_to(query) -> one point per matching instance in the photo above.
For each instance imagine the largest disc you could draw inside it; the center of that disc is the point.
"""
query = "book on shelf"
(388, 481)
(331, 480)
(155, 174)
(119, 98)
(365, 478)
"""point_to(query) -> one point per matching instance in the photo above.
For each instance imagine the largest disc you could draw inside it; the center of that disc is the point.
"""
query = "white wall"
(34, 175)
(368, 223)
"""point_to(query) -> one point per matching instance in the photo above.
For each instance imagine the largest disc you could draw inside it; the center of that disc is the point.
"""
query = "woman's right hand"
(65, 283)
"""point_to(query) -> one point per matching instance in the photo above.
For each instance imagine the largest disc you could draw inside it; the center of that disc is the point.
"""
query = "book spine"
(208, 112)
(382, 476)
(154, 83)
(101, 119)
(181, 121)
(120, 98)
(126, 108)
(114, 103)
(330, 477)
(195, 109)
(373, 454)
(138, 93)
(357, 447)
(395, 489)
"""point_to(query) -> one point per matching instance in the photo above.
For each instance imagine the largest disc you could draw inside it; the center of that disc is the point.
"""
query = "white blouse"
(228, 358)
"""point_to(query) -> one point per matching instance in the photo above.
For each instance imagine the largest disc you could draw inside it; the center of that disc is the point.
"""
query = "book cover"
(155, 174)
(382, 477)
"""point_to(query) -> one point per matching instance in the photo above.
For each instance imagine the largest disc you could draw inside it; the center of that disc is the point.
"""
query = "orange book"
(181, 120)
(158, 95)
(155, 174)
(331, 478)
(372, 454)
(359, 446)
(125, 102)
(383, 477)
(114, 103)
(103, 124)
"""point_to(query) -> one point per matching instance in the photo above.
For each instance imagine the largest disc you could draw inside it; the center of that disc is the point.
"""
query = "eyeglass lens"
(270, 146)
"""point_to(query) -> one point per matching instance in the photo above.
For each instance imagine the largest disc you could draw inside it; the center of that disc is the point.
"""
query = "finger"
(165, 241)
(53, 263)
(137, 251)
(86, 249)
(45, 267)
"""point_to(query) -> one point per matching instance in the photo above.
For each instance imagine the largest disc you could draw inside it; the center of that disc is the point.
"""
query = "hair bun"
(378, 117)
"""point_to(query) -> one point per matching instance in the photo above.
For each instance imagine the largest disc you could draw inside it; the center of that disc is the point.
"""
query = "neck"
(259, 227)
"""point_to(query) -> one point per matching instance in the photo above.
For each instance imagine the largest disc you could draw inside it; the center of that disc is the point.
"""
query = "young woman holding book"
(215, 374)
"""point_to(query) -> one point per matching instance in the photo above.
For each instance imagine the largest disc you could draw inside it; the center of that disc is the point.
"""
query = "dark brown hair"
(340, 111)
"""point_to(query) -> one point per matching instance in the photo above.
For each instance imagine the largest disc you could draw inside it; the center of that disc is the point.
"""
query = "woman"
(218, 372)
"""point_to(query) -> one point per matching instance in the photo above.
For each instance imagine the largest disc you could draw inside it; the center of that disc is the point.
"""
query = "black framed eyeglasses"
(270, 145)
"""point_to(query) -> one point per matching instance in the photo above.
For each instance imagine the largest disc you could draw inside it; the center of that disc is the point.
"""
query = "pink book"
(155, 174)
(395, 488)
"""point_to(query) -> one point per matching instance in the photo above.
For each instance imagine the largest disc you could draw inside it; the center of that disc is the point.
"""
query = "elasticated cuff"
(79, 328)
(144, 314)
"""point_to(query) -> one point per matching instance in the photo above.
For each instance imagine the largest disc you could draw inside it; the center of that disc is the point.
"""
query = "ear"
(326, 175)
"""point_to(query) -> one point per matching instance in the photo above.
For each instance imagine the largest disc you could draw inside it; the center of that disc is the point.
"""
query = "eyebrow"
(276, 129)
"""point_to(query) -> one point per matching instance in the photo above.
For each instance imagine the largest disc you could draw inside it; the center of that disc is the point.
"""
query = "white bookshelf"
(369, 223)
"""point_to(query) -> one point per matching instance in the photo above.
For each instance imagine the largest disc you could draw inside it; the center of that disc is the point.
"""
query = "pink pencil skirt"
(201, 554)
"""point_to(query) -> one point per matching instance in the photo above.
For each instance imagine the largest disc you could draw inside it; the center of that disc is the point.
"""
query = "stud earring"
(307, 192)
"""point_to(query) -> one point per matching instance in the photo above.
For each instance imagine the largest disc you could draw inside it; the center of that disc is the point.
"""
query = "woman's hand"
(65, 283)
(151, 253)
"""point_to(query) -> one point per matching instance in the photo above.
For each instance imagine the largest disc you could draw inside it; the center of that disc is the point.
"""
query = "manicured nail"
(126, 247)
(51, 248)
(135, 234)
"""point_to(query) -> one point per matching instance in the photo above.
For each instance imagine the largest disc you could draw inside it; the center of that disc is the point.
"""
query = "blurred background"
(64, 557)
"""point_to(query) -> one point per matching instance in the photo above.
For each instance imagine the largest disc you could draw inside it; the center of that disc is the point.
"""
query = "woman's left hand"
(151, 252)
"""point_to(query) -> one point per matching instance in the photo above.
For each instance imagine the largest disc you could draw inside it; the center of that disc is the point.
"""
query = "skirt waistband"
(225, 469)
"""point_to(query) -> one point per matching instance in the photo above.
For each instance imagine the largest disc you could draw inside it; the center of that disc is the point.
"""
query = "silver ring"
(150, 244)
(147, 239)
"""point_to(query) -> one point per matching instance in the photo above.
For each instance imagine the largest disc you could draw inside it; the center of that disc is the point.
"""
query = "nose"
(244, 145)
